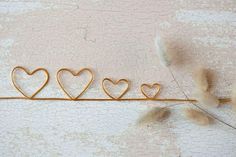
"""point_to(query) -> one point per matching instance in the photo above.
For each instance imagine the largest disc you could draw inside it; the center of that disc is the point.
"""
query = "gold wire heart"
(115, 83)
(77, 75)
(30, 74)
(155, 85)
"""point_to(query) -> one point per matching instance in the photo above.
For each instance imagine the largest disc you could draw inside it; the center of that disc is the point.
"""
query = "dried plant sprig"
(200, 78)
(156, 114)
(207, 99)
(233, 97)
(202, 94)
(163, 55)
(198, 117)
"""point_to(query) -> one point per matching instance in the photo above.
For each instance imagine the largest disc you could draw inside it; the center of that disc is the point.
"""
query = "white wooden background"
(115, 39)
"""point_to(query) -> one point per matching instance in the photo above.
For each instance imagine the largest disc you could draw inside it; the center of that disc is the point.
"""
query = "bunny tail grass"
(207, 99)
(162, 52)
(198, 117)
(154, 115)
(200, 79)
(233, 97)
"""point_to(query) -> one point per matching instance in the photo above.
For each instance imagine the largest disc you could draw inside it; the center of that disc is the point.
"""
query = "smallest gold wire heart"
(115, 83)
(155, 85)
(75, 74)
(30, 74)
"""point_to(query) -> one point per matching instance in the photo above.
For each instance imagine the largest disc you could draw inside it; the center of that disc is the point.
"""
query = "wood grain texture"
(115, 39)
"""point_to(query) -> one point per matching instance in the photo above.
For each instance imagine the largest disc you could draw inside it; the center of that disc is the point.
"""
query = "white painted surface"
(115, 38)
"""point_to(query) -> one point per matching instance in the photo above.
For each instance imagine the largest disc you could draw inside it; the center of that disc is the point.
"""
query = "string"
(200, 108)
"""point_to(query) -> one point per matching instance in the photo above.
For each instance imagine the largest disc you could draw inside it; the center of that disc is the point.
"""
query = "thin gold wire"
(29, 73)
(115, 83)
(222, 100)
(155, 85)
(77, 98)
(74, 74)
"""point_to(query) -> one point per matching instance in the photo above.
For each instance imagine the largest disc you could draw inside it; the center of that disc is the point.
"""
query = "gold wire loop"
(115, 83)
(113, 98)
(30, 74)
(150, 86)
(76, 75)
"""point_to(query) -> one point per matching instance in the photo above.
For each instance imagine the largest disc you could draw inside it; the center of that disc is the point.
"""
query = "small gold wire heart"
(30, 74)
(155, 85)
(115, 83)
(77, 75)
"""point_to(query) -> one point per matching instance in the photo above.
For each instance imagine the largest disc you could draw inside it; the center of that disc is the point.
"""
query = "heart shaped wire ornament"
(30, 74)
(112, 98)
(76, 74)
(109, 94)
(115, 83)
(156, 86)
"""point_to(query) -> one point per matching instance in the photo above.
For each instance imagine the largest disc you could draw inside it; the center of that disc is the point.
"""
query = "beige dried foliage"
(200, 77)
(164, 56)
(156, 114)
(198, 117)
(207, 99)
(233, 97)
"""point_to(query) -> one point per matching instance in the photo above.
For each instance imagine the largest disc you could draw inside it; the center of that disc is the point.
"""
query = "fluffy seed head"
(164, 57)
(198, 117)
(154, 115)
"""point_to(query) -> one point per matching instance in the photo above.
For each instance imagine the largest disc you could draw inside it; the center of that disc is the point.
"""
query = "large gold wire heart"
(30, 74)
(115, 83)
(155, 85)
(76, 75)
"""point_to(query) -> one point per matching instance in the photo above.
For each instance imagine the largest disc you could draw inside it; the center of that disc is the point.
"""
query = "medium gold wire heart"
(30, 74)
(155, 85)
(115, 83)
(75, 74)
